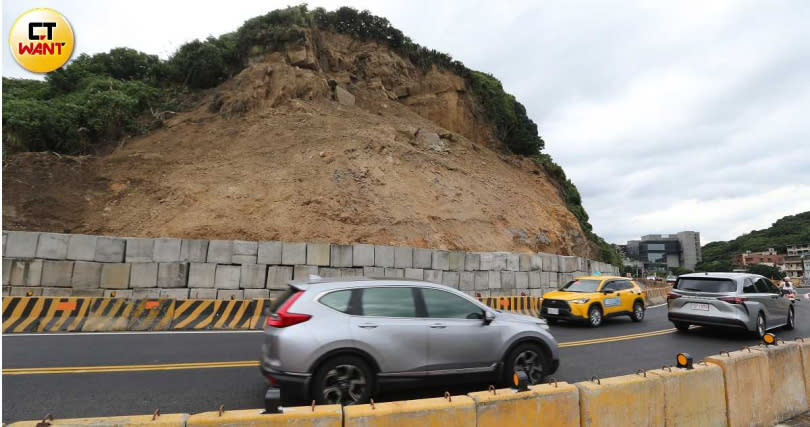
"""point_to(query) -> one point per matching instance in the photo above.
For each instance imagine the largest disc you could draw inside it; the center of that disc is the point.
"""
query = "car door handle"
(774, 296)
(438, 326)
(368, 325)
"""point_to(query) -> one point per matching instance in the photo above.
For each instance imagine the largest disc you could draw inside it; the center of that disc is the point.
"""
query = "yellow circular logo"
(41, 40)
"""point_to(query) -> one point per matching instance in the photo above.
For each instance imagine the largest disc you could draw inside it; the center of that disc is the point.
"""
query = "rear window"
(699, 284)
(338, 300)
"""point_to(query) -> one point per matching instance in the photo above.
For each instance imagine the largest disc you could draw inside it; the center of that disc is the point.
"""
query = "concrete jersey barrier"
(788, 394)
(693, 396)
(629, 400)
(543, 405)
(748, 388)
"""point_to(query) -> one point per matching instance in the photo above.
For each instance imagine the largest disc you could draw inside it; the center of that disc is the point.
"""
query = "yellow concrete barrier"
(748, 389)
(788, 394)
(317, 416)
(439, 412)
(629, 400)
(693, 396)
(543, 405)
(167, 420)
(804, 346)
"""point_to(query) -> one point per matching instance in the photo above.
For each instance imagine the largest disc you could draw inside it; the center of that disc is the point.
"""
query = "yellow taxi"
(594, 298)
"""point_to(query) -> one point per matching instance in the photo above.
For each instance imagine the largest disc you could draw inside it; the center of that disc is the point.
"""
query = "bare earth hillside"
(272, 155)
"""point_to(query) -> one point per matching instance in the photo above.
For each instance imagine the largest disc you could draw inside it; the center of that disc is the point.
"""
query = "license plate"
(704, 307)
(553, 311)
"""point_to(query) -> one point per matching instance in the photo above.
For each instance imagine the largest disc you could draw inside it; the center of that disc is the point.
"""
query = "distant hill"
(785, 231)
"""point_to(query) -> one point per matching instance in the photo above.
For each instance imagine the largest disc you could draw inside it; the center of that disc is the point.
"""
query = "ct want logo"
(41, 40)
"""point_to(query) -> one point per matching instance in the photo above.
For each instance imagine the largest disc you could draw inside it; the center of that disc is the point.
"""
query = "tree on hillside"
(766, 270)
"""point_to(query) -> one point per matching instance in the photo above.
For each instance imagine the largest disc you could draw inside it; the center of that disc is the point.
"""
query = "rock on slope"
(404, 159)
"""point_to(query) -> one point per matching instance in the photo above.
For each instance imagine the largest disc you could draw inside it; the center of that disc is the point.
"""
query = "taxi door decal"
(611, 302)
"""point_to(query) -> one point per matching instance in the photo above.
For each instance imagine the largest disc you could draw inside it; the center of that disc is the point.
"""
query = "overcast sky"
(685, 116)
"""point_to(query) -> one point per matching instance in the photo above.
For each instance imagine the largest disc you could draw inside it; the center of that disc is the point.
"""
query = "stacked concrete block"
(568, 264)
(5, 238)
(508, 280)
(383, 256)
(414, 273)
(456, 260)
(227, 277)
(21, 244)
(201, 275)
(302, 272)
(143, 275)
(86, 275)
(362, 255)
(486, 261)
(167, 250)
(524, 262)
(512, 262)
(472, 261)
(24, 291)
(81, 247)
(351, 272)
(52, 246)
(228, 294)
(422, 258)
(434, 276)
(499, 261)
(536, 292)
(256, 294)
(522, 279)
(373, 272)
(467, 281)
(139, 250)
(440, 260)
(23, 272)
(114, 275)
(110, 249)
(253, 276)
(57, 274)
(481, 280)
(220, 251)
(403, 257)
(198, 293)
(117, 293)
(494, 279)
(87, 293)
(177, 293)
(278, 276)
(318, 254)
(341, 255)
(244, 252)
(6, 271)
(550, 262)
(293, 253)
(268, 252)
(193, 250)
(329, 272)
(536, 279)
(397, 273)
(451, 278)
(146, 293)
(172, 275)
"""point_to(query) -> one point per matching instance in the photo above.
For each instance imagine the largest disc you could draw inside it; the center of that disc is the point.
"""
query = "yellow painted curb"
(166, 420)
(546, 404)
(318, 416)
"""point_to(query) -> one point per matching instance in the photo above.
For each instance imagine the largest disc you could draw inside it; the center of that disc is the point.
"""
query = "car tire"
(595, 316)
(638, 312)
(791, 323)
(681, 326)
(343, 380)
(533, 360)
(761, 327)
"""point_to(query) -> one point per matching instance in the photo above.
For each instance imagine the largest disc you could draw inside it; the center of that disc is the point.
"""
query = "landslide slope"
(280, 152)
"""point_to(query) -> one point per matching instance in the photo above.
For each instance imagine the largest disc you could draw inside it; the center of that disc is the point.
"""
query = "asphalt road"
(189, 376)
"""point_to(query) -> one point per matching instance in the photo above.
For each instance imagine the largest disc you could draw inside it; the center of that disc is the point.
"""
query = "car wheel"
(529, 358)
(681, 327)
(594, 316)
(638, 312)
(791, 323)
(761, 326)
(343, 380)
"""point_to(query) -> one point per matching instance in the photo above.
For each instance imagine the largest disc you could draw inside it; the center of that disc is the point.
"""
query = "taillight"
(672, 296)
(282, 318)
(734, 300)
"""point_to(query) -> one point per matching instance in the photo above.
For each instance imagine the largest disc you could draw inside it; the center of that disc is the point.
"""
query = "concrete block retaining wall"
(53, 264)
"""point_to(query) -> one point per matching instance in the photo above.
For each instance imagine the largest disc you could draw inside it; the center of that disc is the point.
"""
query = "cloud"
(668, 116)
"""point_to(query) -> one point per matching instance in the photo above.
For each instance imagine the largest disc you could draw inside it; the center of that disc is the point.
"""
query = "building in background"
(661, 252)
(798, 250)
(769, 257)
(806, 266)
(794, 267)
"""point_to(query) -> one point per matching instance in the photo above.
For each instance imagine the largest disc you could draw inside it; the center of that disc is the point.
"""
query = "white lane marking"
(73, 334)
(655, 306)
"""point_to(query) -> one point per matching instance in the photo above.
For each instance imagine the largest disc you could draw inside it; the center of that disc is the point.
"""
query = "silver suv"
(340, 340)
(739, 300)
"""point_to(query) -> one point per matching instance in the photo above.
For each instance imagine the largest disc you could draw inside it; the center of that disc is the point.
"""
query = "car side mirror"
(488, 317)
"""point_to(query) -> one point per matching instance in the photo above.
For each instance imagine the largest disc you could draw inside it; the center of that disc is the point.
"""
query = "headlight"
(580, 301)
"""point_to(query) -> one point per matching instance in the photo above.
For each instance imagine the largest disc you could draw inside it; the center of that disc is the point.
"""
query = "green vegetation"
(99, 98)
(766, 270)
(793, 229)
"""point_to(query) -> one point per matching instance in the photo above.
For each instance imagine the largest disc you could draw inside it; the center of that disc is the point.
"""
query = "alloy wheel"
(761, 325)
(344, 384)
(639, 312)
(529, 362)
(596, 317)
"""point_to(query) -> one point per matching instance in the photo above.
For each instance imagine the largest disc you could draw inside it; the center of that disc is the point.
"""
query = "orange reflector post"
(66, 306)
(151, 305)
(769, 339)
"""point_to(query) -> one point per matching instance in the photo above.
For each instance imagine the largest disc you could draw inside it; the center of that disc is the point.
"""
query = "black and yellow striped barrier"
(26, 314)
(529, 306)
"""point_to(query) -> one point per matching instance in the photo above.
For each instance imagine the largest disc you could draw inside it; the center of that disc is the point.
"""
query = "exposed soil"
(270, 155)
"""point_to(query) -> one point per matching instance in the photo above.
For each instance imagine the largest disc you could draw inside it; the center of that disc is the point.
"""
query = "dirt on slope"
(271, 155)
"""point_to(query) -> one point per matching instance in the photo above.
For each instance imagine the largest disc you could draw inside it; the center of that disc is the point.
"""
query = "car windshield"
(584, 285)
(699, 284)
